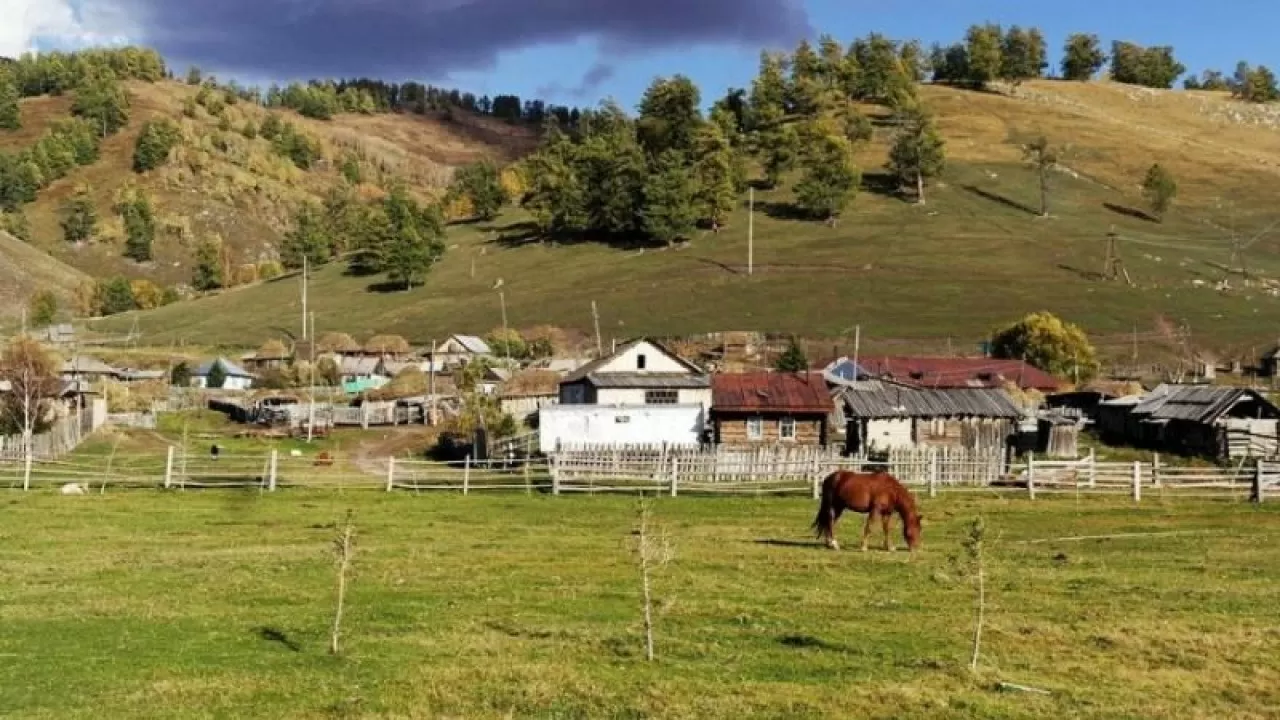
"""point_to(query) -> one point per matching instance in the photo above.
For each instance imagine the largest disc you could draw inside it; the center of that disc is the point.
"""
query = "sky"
(579, 52)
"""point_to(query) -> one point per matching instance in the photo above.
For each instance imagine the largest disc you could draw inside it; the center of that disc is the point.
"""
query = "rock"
(72, 489)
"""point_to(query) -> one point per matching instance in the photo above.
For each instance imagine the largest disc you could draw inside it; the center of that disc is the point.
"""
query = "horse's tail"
(823, 524)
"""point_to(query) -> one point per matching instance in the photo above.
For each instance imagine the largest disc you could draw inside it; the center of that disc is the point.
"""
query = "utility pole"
(311, 413)
(506, 337)
(595, 316)
(431, 383)
(304, 296)
(1113, 267)
(751, 230)
(857, 346)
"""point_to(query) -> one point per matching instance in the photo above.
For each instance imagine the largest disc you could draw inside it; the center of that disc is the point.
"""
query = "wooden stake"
(343, 550)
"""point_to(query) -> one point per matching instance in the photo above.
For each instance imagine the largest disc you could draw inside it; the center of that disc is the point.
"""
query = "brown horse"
(876, 494)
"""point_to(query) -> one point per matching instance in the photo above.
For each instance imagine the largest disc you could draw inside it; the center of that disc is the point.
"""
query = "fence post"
(168, 469)
(528, 485)
(466, 475)
(1093, 468)
(933, 472)
(555, 474)
(1031, 476)
(1155, 470)
(391, 472)
(675, 474)
(1255, 493)
(1137, 481)
(271, 476)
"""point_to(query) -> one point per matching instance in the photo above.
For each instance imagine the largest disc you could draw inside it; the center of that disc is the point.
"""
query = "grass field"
(217, 604)
(976, 256)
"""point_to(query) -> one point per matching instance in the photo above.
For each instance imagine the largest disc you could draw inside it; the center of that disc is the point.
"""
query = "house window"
(661, 397)
(787, 428)
(641, 361)
(755, 428)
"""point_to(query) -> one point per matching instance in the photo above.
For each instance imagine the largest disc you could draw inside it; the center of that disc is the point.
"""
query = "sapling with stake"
(343, 550)
(653, 551)
(973, 543)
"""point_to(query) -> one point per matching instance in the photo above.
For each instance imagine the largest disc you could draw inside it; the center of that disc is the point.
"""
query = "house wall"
(888, 434)
(635, 396)
(680, 425)
(731, 429)
(525, 409)
(231, 383)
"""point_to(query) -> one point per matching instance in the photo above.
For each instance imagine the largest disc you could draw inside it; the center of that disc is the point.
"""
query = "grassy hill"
(220, 182)
(25, 270)
(975, 256)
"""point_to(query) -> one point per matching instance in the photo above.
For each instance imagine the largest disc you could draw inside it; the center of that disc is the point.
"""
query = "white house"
(235, 377)
(641, 394)
(462, 349)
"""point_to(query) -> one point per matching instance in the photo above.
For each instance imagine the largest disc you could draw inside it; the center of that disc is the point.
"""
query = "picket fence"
(666, 472)
(64, 436)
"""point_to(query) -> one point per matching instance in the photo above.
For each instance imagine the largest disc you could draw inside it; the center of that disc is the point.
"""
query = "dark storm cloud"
(431, 38)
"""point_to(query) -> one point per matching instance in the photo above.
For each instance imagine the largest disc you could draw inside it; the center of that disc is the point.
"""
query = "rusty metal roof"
(958, 372)
(770, 392)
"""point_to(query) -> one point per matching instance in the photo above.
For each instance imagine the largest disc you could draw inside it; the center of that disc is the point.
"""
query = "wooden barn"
(881, 415)
(1211, 421)
(770, 408)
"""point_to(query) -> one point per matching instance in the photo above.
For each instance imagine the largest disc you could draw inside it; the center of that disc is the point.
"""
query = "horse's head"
(911, 531)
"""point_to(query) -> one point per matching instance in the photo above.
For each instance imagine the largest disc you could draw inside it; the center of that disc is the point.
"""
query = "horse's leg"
(886, 519)
(832, 543)
(866, 529)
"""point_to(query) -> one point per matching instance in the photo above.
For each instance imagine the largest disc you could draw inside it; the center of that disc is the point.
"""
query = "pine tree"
(1082, 57)
(155, 142)
(881, 76)
(714, 176)
(917, 153)
(985, 58)
(1160, 189)
(830, 181)
(208, 274)
(79, 218)
(775, 141)
(555, 197)
(1022, 55)
(793, 359)
(10, 115)
(669, 115)
(669, 211)
(309, 239)
(139, 226)
(102, 101)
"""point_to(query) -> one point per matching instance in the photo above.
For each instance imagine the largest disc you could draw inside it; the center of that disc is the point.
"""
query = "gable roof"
(876, 399)
(592, 370)
(531, 383)
(473, 344)
(231, 369)
(359, 365)
(88, 365)
(1196, 403)
(770, 392)
(956, 372)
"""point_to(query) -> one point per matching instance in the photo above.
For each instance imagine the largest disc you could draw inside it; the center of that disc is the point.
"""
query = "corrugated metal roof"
(1194, 403)
(770, 391)
(88, 365)
(589, 370)
(878, 400)
(648, 381)
(228, 367)
(473, 344)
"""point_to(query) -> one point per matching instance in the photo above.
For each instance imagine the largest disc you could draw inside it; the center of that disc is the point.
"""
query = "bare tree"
(343, 551)
(653, 551)
(31, 376)
(1044, 157)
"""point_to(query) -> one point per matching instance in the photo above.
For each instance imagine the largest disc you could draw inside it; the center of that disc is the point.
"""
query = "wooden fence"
(664, 472)
(64, 436)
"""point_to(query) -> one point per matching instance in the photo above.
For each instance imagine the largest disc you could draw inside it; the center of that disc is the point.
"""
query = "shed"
(770, 408)
(527, 392)
(883, 415)
(1213, 421)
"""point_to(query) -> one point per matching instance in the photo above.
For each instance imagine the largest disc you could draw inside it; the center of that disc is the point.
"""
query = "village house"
(881, 415)
(1225, 423)
(460, 350)
(945, 372)
(643, 393)
(87, 368)
(234, 376)
(359, 374)
(387, 347)
(770, 408)
(272, 355)
(527, 392)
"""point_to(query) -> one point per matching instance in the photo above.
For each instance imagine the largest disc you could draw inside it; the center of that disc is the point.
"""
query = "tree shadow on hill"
(466, 222)
(783, 210)
(278, 636)
(809, 642)
(1130, 212)
(521, 234)
(883, 183)
(996, 198)
(387, 287)
(1090, 275)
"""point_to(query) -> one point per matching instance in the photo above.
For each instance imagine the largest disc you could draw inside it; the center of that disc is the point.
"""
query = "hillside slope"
(25, 270)
(975, 256)
(222, 183)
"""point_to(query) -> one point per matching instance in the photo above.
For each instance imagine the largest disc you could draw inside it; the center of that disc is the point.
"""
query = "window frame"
(783, 425)
(755, 428)
(674, 396)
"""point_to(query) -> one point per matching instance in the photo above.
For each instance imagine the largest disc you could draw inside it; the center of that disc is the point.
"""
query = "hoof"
(864, 548)
(833, 544)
